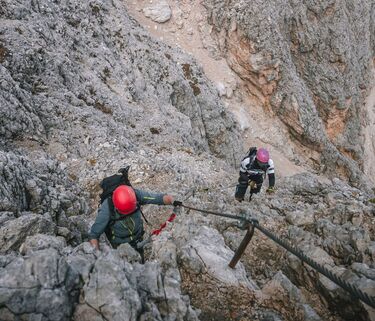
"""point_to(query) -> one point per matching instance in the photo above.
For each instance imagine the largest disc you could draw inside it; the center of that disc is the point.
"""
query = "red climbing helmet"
(262, 155)
(124, 199)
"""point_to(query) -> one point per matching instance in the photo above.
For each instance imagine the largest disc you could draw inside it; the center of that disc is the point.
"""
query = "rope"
(162, 226)
(353, 290)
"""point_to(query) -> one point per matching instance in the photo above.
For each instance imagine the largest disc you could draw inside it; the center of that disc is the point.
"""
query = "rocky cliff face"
(84, 89)
(308, 63)
(77, 81)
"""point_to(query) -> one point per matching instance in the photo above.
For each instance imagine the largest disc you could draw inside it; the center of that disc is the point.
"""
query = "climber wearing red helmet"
(254, 166)
(120, 217)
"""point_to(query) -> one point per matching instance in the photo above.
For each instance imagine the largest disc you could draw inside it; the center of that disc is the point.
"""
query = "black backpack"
(251, 153)
(110, 183)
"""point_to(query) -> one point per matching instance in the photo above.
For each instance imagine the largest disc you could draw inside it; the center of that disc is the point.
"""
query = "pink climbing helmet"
(262, 155)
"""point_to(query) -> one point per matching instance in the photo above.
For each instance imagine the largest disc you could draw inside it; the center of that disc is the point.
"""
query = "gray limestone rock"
(40, 242)
(14, 232)
(281, 286)
(301, 217)
(206, 252)
(47, 283)
(104, 102)
(158, 12)
(128, 253)
(117, 290)
(39, 185)
(42, 284)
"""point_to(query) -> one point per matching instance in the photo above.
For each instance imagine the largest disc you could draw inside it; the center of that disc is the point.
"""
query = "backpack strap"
(247, 163)
(251, 153)
(144, 217)
(108, 230)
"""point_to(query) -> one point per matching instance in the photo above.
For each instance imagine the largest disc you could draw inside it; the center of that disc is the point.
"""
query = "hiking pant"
(243, 183)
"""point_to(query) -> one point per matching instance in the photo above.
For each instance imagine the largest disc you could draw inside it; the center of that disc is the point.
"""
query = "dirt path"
(189, 30)
(185, 30)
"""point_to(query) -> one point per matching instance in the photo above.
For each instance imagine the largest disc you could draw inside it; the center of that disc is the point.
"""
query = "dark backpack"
(251, 153)
(109, 184)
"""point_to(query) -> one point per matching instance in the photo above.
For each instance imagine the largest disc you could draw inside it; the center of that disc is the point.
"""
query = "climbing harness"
(253, 223)
(162, 227)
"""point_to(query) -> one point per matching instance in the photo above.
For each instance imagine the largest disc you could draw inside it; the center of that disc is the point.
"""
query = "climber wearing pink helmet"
(254, 166)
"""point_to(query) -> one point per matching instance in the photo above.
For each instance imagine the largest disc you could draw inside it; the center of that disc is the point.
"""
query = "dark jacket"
(129, 229)
(250, 169)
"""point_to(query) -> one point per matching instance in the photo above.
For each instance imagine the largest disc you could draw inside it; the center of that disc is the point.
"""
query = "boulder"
(40, 285)
(159, 12)
(14, 232)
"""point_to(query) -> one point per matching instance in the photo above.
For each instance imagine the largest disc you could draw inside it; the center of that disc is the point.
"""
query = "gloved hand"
(252, 185)
(270, 190)
(177, 203)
